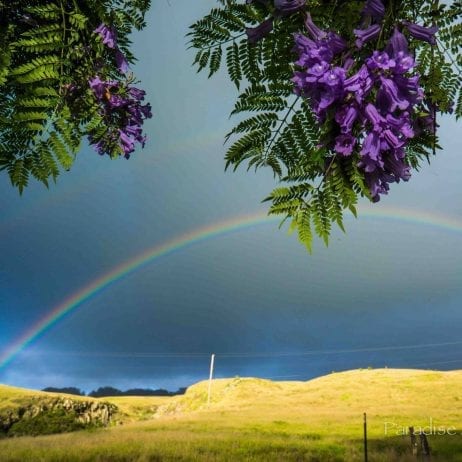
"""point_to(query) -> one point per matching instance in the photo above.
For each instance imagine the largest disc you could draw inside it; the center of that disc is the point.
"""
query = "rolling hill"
(260, 420)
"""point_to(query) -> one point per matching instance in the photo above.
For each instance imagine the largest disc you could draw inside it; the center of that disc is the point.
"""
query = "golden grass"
(14, 396)
(259, 420)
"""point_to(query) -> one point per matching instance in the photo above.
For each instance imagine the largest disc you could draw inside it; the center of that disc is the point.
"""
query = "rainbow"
(186, 240)
(116, 274)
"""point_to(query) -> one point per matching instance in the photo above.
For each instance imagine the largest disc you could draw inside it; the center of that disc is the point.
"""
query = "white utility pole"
(212, 360)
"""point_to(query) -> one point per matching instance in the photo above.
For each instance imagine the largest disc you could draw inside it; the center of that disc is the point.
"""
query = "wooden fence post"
(425, 447)
(413, 441)
(365, 438)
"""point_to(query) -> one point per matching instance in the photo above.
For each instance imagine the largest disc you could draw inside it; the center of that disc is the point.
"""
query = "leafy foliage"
(278, 130)
(48, 53)
(47, 423)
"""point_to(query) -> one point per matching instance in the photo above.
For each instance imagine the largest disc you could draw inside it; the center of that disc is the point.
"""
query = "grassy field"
(259, 420)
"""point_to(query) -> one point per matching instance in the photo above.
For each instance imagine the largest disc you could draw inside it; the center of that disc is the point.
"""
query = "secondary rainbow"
(193, 237)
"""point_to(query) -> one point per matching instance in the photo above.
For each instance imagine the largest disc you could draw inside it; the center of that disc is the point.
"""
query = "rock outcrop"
(85, 412)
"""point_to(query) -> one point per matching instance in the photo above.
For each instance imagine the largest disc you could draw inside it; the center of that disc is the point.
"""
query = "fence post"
(425, 447)
(413, 441)
(365, 437)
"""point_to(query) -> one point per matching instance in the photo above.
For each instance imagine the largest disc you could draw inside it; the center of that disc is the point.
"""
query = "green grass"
(46, 423)
(259, 420)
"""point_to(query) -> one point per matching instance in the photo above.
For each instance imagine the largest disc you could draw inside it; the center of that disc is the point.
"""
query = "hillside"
(28, 412)
(260, 420)
(361, 390)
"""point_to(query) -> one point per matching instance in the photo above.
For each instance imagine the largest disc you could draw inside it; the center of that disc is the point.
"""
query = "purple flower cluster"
(370, 112)
(109, 38)
(320, 81)
(121, 107)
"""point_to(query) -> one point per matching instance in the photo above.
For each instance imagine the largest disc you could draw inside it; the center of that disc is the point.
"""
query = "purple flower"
(369, 165)
(136, 93)
(426, 123)
(344, 144)
(321, 99)
(359, 84)
(99, 146)
(364, 35)
(375, 9)
(287, 7)
(371, 146)
(126, 143)
(389, 97)
(427, 34)
(395, 165)
(122, 63)
(391, 139)
(108, 34)
(396, 44)
(316, 72)
(136, 132)
(346, 117)
(336, 43)
(116, 101)
(348, 63)
(334, 77)
(146, 110)
(299, 82)
(380, 60)
(311, 52)
(302, 47)
(401, 124)
(98, 87)
(133, 130)
(407, 84)
(302, 43)
(409, 88)
(404, 63)
(315, 32)
(377, 182)
(254, 34)
(354, 82)
(374, 117)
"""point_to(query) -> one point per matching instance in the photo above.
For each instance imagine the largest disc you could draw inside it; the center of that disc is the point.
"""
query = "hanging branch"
(371, 80)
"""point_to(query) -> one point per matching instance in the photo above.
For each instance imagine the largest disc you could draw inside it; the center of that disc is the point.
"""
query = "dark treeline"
(111, 391)
(67, 390)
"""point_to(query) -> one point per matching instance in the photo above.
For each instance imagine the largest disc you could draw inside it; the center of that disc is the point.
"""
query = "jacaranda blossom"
(369, 103)
(364, 35)
(108, 35)
(287, 7)
(254, 34)
(122, 63)
(315, 32)
(344, 144)
(427, 34)
(396, 44)
(120, 106)
(375, 9)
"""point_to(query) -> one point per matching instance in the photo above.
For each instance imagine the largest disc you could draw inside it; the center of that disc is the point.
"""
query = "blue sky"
(255, 294)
